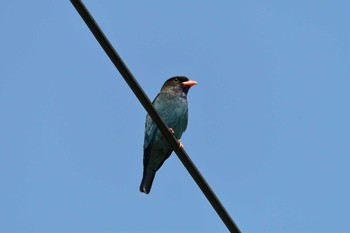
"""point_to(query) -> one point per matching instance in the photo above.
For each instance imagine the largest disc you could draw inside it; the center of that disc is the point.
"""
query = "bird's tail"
(146, 183)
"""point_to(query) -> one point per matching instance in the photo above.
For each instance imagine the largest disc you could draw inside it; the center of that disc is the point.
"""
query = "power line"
(142, 97)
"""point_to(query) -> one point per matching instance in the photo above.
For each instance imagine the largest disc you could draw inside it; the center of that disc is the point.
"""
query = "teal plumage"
(171, 104)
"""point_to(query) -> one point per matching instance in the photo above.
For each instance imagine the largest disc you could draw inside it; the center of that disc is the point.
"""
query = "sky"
(268, 121)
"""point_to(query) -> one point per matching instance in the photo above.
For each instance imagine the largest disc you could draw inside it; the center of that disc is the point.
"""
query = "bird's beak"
(189, 83)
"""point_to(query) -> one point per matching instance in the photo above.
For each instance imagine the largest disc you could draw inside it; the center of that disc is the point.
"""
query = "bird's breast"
(174, 111)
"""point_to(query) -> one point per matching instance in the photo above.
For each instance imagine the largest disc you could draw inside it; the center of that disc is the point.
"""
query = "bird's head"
(178, 84)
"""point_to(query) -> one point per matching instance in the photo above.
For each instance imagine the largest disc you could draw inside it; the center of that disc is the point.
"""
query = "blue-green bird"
(171, 104)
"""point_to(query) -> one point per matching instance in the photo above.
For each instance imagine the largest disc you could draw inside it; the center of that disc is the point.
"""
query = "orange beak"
(189, 83)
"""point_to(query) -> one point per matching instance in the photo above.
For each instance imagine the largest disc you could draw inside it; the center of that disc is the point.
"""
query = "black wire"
(140, 94)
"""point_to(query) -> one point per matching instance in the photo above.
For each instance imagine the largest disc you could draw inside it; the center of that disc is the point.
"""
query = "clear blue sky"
(268, 122)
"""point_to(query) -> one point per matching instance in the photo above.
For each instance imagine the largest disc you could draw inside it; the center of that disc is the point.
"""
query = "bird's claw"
(180, 144)
(178, 141)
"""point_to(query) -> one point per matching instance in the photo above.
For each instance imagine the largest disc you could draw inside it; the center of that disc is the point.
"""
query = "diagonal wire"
(140, 94)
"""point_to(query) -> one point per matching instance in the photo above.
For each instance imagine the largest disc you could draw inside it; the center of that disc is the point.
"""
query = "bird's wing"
(150, 128)
(150, 133)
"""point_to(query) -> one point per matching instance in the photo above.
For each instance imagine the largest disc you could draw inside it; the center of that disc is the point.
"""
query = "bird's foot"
(180, 144)
(178, 141)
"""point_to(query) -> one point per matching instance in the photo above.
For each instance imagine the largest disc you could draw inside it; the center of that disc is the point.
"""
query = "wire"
(140, 94)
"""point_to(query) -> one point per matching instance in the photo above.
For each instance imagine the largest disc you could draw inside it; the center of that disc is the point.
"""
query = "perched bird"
(171, 104)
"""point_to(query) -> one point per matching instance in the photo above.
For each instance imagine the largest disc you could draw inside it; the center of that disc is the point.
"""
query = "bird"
(171, 105)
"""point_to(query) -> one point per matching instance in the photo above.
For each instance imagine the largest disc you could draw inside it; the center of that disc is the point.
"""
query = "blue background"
(268, 122)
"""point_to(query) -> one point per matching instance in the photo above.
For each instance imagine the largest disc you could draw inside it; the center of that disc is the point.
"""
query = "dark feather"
(171, 104)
